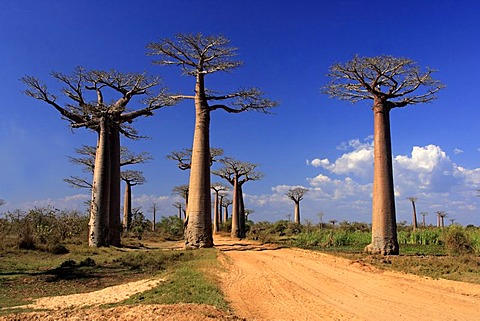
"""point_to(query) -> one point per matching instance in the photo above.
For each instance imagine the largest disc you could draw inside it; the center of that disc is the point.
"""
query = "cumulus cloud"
(426, 172)
(427, 169)
(358, 161)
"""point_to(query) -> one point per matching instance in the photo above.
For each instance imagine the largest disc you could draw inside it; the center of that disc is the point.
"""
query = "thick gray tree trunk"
(216, 214)
(99, 211)
(235, 230)
(198, 232)
(296, 214)
(384, 226)
(115, 198)
(127, 208)
(241, 212)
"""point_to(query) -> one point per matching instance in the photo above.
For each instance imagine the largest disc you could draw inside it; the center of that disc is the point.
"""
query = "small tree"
(423, 218)
(238, 173)
(296, 195)
(390, 83)
(414, 219)
(226, 203)
(217, 187)
(182, 191)
(200, 56)
(131, 178)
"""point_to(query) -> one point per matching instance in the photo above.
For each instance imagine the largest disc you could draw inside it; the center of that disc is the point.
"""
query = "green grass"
(191, 282)
(191, 276)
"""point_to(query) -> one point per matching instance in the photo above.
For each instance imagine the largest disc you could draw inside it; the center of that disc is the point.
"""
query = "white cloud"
(457, 151)
(358, 162)
(427, 172)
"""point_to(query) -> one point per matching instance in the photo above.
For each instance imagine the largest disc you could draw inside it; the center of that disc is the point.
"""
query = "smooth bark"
(296, 213)
(198, 231)
(235, 231)
(127, 207)
(99, 218)
(384, 226)
(115, 189)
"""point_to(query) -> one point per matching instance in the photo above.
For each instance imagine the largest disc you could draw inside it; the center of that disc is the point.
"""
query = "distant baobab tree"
(154, 212)
(131, 178)
(178, 206)
(237, 173)
(452, 220)
(390, 83)
(333, 222)
(226, 203)
(423, 218)
(217, 187)
(182, 191)
(184, 157)
(414, 219)
(86, 106)
(296, 194)
(441, 218)
(87, 161)
(199, 56)
(247, 213)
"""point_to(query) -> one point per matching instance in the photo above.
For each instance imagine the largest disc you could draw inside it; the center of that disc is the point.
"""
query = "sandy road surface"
(267, 283)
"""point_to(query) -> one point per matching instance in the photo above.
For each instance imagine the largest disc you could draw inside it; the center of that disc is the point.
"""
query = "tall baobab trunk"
(99, 211)
(114, 220)
(154, 208)
(235, 231)
(384, 226)
(241, 212)
(296, 214)
(216, 214)
(225, 214)
(414, 218)
(127, 207)
(198, 232)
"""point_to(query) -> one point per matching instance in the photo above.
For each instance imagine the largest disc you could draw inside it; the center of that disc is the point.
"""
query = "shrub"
(457, 242)
(170, 228)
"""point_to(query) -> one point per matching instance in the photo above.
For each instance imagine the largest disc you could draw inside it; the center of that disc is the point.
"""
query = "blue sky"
(287, 48)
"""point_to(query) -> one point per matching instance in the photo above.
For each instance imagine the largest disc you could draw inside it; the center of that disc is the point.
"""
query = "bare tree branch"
(386, 77)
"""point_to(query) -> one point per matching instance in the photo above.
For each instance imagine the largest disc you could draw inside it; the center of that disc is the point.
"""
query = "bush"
(41, 228)
(170, 228)
(457, 242)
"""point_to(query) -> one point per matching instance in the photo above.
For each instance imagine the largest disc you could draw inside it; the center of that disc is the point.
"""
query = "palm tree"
(390, 83)
(199, 56)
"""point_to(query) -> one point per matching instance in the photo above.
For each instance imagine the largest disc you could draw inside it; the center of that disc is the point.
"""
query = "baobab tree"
(184, 157)
(391, 83)
(238, 173)
(85, 106)
(131, 178)
(226, 203)
(182, 191)
(296, 194)
(178, 206)
(199, 56)
(423, 218)
(441, 218)
(217, 187)
(414, 219)
(87, 161)
(154, 213)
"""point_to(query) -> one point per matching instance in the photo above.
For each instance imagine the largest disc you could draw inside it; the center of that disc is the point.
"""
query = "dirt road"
(266, 283)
